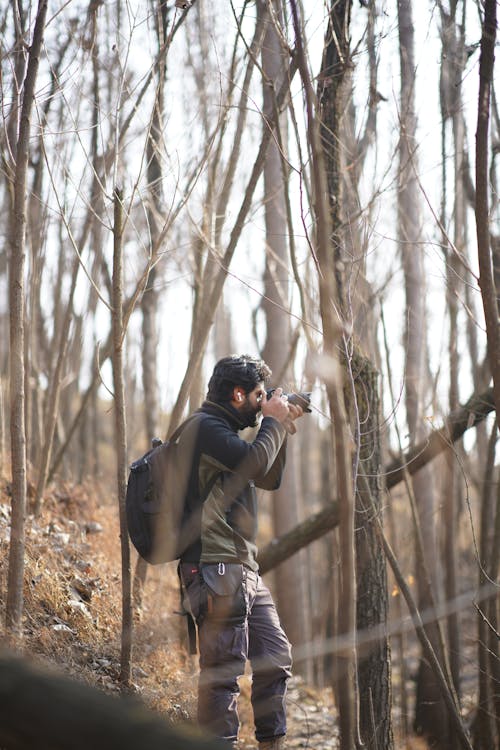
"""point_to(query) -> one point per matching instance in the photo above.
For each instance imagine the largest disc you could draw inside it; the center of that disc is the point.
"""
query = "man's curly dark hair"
(237, 370)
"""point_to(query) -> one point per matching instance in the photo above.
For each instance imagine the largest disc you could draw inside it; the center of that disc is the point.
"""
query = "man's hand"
(294, 412)
(279, 408)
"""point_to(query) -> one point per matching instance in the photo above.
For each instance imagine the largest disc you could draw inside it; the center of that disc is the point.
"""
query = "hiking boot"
(276, 743)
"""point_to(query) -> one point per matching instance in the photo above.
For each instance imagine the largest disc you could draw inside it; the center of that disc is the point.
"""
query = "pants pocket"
(226, 592)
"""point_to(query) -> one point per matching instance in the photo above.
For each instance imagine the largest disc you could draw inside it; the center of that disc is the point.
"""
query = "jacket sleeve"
(271, 480)
(262, 460)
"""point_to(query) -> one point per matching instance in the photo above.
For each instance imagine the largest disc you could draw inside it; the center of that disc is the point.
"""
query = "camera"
(297, 399)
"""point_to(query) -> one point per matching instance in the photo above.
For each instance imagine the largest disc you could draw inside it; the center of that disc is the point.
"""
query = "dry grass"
(72, 613)
(72, 594)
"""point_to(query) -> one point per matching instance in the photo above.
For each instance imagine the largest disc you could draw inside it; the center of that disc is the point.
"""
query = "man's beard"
(249, 413)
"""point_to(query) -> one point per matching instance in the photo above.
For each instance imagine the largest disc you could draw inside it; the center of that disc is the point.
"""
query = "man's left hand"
(294, 412)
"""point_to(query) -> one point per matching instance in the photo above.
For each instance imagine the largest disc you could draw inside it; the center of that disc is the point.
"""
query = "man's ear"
(238, 395)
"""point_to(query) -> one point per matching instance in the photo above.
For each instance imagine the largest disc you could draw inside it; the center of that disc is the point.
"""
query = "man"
(233, 609)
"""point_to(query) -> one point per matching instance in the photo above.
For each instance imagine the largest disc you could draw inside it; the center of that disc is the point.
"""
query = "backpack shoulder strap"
(198, 415)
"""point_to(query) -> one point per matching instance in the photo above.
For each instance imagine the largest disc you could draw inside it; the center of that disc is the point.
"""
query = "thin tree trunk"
(149, 302)
(3, 450)
(52, 407)
(430, 713)
(212, 297)
(329, 303)
(290, 584)
(483, 727)
(486, 281)
(37, 234)
(493, 618)
(64, 308)
(446, 689)
(121, 437)
(374, 671)
(399, 641)
(451, 70)
(14, 604)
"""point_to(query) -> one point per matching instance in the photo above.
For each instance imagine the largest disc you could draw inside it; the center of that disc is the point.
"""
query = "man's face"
(252, 403)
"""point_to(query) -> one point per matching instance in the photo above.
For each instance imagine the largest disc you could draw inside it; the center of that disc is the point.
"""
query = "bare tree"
(489, 294)
(330, 297)
(344, 159)
(213, 292)
(484, 727)
(290, 579)
(430, 718)
(452, 66)
(486, 280)
(149, 301)
(121, 435)
(17, 221)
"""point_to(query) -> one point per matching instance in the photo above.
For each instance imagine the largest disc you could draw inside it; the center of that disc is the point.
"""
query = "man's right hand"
(276, 406)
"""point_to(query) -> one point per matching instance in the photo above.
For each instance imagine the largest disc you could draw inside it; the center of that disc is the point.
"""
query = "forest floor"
(72, 617)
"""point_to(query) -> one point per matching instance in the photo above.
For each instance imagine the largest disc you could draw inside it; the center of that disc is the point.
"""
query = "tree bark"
(494, 620)
(374, 670)
(52, 406)
(483, 725)
(121, 436)
(446, 690)
(149, 301)
(14, 604)
(289, 579)
(330, 301)
(430, 712)
(452, 66)
(486, 280)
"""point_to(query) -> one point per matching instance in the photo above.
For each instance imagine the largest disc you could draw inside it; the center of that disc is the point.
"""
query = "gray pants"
(237, 620)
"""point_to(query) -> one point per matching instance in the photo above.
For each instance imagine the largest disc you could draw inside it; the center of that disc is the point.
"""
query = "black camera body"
(302, 399)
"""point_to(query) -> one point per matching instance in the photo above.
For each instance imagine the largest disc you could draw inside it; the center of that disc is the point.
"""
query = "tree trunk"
(483, 727)
(430, 712)
(121, 437)
(149, 302)
(486, 280)
(52, 406)
(212, 296)
(451, 71)
(330, 302)
(289, 578)
(493, 618)
(14, 605)
(374, 672)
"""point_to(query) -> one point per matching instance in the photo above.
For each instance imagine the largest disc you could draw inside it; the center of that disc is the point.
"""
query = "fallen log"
(48, 711)
(457, 423)
(300, 536)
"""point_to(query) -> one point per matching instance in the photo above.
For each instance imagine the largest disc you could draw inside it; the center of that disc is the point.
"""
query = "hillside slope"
(72, 615)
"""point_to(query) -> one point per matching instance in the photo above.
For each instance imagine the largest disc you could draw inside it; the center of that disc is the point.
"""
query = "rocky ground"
(73, 609)
(72, 618)
(311, 719)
